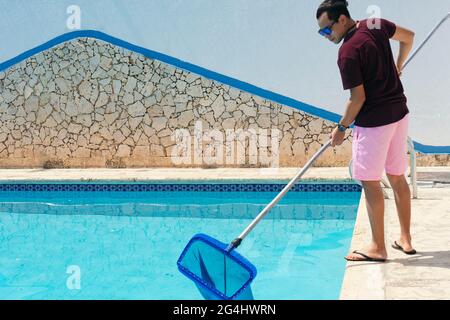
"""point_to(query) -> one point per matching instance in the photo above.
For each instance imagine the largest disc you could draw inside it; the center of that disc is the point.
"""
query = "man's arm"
(406, 39)
(354, 105)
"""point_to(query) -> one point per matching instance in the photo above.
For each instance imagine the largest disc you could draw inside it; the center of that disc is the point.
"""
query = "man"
(377, 106)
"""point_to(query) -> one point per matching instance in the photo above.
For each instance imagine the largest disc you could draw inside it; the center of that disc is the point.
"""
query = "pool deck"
(171, 174)
(423, 276)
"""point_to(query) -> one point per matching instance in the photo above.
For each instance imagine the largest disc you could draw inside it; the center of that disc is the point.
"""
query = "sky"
(272, 44)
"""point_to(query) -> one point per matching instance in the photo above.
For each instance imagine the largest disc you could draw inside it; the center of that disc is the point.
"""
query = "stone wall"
(433, 160)
(87, 103)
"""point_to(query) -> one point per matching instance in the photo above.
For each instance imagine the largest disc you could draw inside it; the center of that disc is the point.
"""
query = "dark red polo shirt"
(366, 58)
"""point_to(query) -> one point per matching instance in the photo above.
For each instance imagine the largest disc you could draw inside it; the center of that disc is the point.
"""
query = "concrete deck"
(170, 174)
(424, 276)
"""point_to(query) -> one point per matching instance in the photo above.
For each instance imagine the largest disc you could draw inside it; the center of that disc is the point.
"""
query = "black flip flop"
(366, 258)
(396, 246)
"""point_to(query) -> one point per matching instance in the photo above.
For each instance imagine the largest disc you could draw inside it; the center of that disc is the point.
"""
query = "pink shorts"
(381, 148)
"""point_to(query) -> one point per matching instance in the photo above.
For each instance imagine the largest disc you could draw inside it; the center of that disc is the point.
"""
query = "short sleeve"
(388, 27)
(351, 72)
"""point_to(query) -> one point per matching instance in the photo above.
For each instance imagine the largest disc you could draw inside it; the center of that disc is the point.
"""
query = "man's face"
(338, 28)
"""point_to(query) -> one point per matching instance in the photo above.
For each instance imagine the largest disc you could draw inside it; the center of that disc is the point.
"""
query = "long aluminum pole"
(426, 40)
(236, 242)
(410, 142)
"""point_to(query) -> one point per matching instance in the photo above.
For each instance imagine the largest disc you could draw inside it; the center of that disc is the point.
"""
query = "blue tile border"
(179, 187)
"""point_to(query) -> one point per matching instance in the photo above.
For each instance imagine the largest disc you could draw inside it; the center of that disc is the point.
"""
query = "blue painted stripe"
(177, 63)
(178, 187)
(244, 86)
(431, 149)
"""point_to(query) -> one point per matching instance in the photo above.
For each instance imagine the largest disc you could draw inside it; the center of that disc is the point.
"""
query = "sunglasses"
(327, 30)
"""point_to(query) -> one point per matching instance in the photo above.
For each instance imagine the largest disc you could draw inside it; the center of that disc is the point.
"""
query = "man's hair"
(334, 9)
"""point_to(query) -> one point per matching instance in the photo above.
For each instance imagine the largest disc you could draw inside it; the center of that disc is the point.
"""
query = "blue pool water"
(125, 244)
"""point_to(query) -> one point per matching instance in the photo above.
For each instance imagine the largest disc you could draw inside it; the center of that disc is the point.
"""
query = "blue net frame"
(238, 267)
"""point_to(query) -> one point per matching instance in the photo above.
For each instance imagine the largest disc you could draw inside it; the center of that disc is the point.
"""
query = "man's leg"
(402, 195)
(369, 152)
(375, 209)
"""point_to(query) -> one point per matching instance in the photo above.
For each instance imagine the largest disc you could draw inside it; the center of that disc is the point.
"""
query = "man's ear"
(342, 19)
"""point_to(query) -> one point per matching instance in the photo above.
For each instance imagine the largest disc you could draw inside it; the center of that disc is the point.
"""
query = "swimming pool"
(111, 240)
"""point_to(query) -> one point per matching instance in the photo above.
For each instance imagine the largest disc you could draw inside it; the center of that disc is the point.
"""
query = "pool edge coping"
(362, 280)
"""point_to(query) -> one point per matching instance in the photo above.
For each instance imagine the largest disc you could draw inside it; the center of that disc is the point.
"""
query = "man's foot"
(368, 255)
(405, 246)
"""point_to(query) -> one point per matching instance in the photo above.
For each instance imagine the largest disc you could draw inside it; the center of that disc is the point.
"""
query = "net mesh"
(218, 274)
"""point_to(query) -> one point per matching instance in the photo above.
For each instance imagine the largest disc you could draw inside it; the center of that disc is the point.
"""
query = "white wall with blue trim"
(272, 44)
